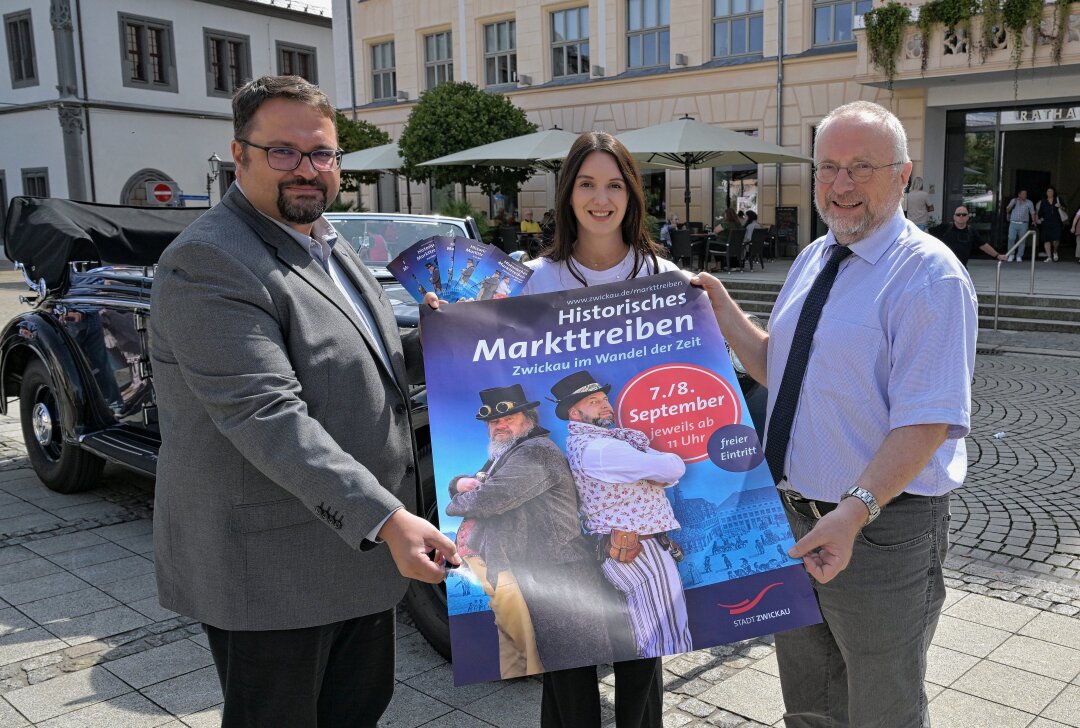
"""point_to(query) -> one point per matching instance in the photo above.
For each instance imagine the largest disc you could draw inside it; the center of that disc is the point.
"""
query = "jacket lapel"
(304, 266)
(370, 288)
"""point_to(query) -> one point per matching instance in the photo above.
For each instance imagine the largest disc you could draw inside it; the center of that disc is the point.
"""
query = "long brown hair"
(634, 232)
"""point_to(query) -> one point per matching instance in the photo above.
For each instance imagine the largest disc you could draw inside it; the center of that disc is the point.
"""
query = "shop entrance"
(990, 155)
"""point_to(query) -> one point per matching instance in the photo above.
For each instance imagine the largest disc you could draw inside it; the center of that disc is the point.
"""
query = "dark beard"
(301, 213)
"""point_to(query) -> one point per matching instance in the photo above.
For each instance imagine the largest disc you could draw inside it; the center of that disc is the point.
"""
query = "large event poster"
(699, 563)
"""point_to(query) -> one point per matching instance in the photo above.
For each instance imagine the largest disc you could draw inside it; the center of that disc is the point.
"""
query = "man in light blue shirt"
(878, 429)
(1021, 213)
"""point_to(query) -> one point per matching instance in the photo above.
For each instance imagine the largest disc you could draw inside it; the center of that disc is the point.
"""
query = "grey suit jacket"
(285, 438)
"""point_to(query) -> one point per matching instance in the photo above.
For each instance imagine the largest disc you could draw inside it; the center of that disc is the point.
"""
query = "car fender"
(33, 334)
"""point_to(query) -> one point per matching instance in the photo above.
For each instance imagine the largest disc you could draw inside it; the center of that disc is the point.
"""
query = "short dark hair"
(253, 94)
(634, 232)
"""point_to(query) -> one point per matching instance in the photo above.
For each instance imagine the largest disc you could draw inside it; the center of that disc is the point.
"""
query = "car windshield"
(379, 240)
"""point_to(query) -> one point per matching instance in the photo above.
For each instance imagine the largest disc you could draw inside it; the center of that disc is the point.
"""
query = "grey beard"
(497, 449)
(302, 213)
(606, 422)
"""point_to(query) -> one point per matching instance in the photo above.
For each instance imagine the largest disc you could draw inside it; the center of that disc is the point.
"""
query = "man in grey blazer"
(286, 451)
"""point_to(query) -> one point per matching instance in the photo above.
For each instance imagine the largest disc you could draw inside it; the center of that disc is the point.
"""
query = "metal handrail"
(1034, 235)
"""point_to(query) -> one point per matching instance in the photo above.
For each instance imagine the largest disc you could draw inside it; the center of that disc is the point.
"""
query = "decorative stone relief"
(955, 43)
(1074, 28)
(71, 119)
(1000, 39)
(913, 46)
(60, 14)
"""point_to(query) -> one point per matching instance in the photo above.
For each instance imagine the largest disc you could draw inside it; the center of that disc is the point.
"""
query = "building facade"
(769, 68)
(101, 98)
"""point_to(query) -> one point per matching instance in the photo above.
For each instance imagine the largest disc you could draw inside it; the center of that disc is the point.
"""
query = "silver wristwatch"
(867, 498)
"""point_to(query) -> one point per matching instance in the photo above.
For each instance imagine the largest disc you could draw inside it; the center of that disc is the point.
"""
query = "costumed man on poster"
(621, 482)
(522, 532)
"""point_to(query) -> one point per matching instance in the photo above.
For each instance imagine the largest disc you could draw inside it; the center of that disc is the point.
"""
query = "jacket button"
(399, 408)
(409, 469)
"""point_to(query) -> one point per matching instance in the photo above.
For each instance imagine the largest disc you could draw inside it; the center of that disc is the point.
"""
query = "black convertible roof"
(46, 233)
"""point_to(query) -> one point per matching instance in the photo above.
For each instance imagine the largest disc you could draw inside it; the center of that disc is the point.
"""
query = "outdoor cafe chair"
(682, 247)
(757, 247)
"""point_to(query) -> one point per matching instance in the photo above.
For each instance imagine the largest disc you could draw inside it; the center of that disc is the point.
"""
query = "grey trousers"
(864, 665)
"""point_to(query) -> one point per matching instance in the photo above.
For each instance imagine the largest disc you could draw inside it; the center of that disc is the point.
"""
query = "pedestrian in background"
(1051, 217)
(286, 474)
(1076, 233)
(919, 206)
(1021, 214)
(865, 447)
(961, 237)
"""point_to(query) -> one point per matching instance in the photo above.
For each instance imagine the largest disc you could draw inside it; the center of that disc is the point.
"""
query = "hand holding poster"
(597, 467)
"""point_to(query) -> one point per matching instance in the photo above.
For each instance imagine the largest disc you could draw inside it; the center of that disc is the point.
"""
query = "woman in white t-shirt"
(600, 237)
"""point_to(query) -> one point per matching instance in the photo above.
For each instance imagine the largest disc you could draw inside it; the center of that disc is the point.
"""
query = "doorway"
(991, 154)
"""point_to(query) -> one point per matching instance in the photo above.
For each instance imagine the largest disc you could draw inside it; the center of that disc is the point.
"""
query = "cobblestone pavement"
(83, 641)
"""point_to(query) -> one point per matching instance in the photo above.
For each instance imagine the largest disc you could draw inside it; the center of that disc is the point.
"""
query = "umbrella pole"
(686, 194)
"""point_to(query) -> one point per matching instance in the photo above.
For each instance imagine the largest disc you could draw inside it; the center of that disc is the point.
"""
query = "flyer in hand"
(417, 269)
(458, 269)
(598, 469)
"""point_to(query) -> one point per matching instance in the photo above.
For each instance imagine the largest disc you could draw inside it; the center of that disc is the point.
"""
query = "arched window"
(134, 192)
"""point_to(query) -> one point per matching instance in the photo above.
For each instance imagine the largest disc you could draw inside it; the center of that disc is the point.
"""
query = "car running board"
(120, 447)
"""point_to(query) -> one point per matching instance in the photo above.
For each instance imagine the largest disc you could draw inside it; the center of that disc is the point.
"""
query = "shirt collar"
(874, 245)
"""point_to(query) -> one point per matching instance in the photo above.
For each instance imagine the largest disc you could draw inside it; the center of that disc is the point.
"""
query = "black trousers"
(571, 698)
(339, 674)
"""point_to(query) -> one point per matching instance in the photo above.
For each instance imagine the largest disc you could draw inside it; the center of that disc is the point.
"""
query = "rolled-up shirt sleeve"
(615, 461)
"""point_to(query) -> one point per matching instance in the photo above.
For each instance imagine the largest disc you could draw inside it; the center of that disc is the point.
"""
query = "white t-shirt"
(549, 276)
(918, 207)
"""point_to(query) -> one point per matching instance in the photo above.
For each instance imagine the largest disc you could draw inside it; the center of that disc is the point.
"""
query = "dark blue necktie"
(787, 398)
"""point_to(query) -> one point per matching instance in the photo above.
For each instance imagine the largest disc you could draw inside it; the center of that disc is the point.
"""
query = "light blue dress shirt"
(895, 347)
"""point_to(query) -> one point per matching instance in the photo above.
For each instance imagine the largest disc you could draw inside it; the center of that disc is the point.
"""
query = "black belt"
(816, 509)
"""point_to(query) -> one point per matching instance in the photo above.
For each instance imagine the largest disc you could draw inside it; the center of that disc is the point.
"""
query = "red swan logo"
(747, 604)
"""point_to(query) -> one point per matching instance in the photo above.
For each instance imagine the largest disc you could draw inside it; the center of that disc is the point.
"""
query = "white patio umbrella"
(543, 149)
(374, 159)
(690, 144)
(384, 158)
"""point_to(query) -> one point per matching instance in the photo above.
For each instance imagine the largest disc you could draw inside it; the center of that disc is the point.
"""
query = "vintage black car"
(78, 359)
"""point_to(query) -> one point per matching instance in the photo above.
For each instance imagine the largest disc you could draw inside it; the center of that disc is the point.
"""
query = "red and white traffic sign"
(160, 192)
(163, 192)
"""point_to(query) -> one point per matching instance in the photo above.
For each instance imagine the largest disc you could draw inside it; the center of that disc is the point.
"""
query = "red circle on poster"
(678, 406)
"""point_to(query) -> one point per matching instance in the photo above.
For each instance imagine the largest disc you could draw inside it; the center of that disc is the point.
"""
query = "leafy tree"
(456, 116)
(354, 136)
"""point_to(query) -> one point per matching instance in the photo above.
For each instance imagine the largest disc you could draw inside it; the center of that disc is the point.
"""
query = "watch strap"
(868, 500)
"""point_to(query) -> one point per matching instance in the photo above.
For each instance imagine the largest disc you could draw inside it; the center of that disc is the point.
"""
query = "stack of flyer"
(458, 269)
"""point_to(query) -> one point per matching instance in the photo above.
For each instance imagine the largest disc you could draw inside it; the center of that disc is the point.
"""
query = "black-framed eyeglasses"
(286, 159)
(961, 214)
(827, 172)
(500, 408)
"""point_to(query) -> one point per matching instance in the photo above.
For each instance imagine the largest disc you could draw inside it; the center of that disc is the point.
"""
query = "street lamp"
(212, 175)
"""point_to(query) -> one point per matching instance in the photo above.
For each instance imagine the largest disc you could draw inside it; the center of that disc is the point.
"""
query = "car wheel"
(62, 466)
(427, 602)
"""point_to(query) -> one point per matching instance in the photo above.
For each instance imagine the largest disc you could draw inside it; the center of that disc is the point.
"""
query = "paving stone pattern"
(83, 641)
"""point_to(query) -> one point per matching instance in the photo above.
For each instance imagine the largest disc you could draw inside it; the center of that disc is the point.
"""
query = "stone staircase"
(1017, 312)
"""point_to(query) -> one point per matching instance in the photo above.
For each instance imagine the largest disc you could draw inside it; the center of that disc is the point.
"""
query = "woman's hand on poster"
(432, 300)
